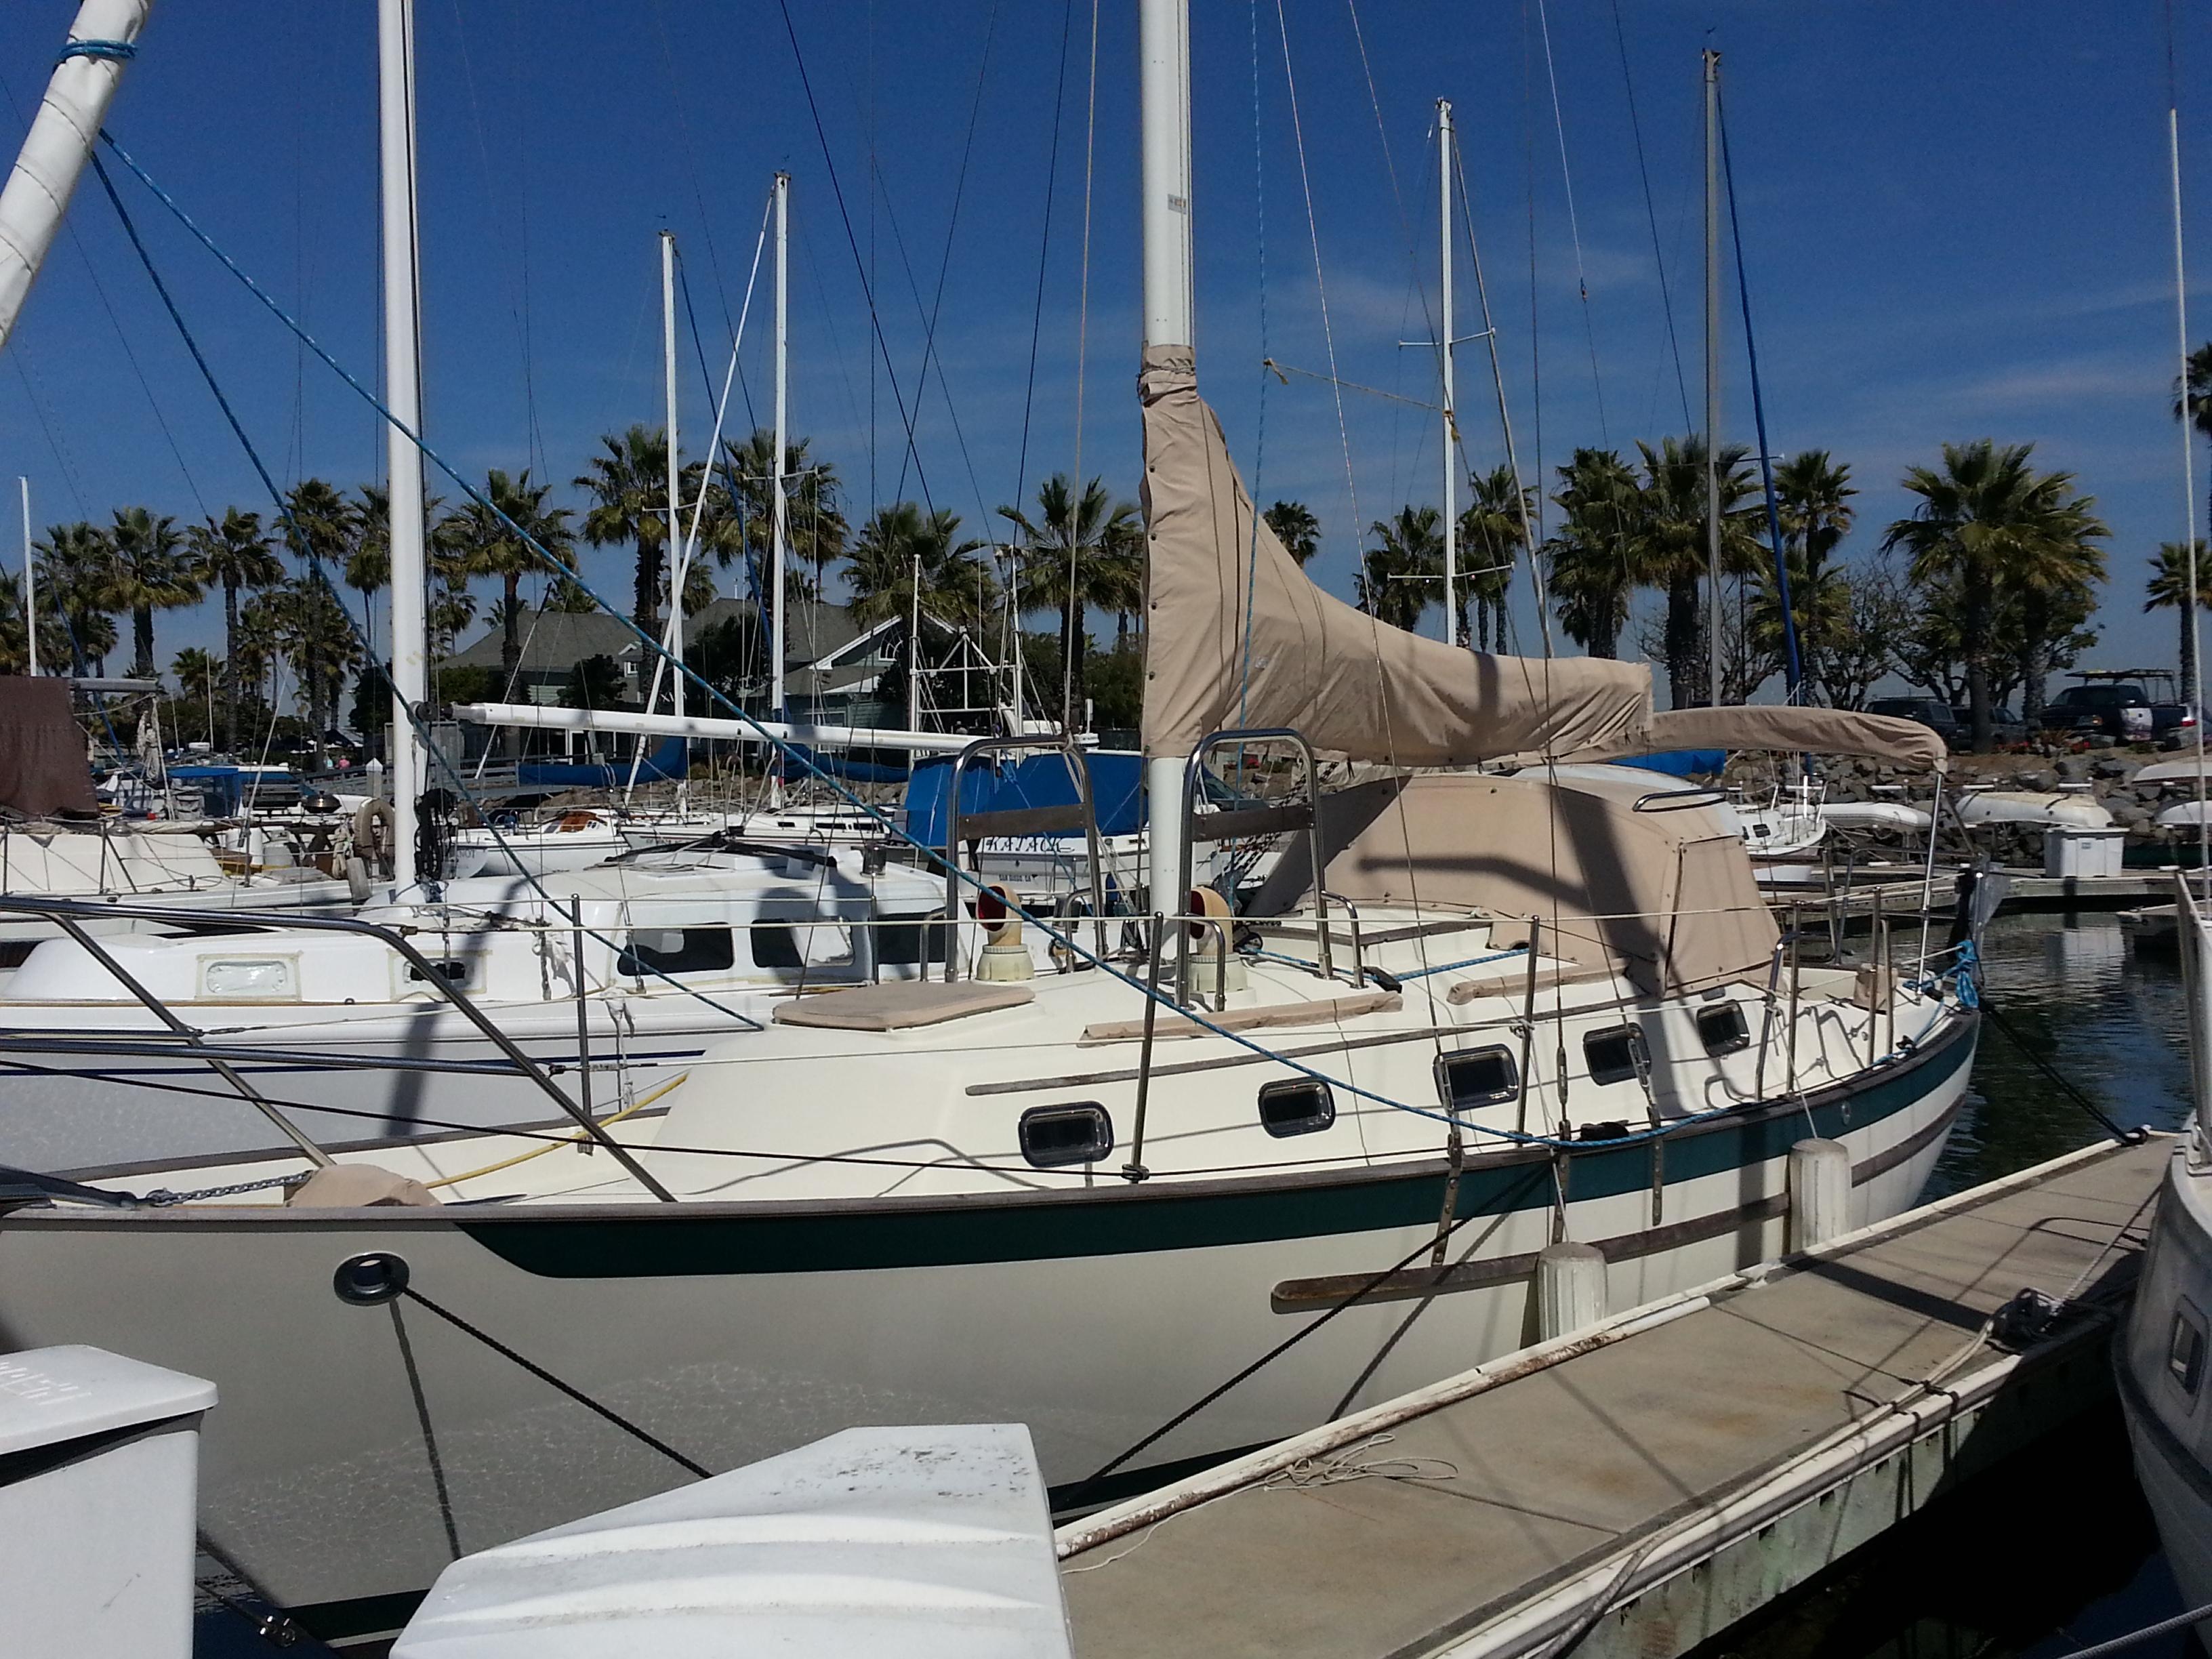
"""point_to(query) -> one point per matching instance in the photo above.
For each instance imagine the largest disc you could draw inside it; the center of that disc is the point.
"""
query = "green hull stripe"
(1121, 1220)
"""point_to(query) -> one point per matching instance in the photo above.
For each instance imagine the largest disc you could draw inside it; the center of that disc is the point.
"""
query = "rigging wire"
(1652, 215)
(800, 758)
(1574, 226)
(1759, 421)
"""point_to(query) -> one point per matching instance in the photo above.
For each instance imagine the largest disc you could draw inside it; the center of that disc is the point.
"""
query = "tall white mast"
(1450, 410)
(676, 573)
(2195, 690)
(403, 396)
(30, 582)
(778, 508)
(1713, 371)
(102, 39)
(1164, 59)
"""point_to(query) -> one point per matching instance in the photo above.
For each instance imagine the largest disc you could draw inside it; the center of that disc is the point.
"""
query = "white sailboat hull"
(734, 1331)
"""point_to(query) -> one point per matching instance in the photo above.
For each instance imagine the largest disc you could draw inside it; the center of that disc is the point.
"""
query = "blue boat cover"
(670, 760)
(1117, 777)
(1679, 763)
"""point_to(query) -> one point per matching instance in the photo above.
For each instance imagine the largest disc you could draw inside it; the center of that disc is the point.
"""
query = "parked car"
(2006, 728)
(1931, 712)
(2101, 709)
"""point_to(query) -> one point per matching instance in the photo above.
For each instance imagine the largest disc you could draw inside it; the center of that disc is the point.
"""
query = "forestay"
(1239, 637)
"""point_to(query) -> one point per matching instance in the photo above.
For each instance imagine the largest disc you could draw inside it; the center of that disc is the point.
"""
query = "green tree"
(196, 672)
(1078, 553)
(148, 572)
(1401, 575)
(1989, 527)
(595, 682)
(478, 536)
(76, 564)
(1590, 554)
(1667, 549)
(1812, 500)
(814, 529)
(1874, 618)
(234, 554)
(629, 487)
(2168, 589)
(1297, 528)
(903, 551)
(1492, 534)
(369, 565)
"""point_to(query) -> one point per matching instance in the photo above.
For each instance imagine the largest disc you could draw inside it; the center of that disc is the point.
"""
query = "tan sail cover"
(1354, 686)
(1781, 726)
(1667, 898)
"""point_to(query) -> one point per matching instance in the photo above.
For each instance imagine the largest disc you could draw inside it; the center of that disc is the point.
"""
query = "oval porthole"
(1055, 1137)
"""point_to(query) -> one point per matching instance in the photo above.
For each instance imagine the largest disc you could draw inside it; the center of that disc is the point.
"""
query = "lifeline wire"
(805, 759)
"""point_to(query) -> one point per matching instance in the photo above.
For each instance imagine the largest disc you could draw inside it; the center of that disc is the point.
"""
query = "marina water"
(2057, 1551)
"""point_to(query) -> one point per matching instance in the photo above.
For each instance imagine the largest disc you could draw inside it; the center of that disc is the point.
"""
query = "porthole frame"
(1097, 1150)
(1639, 1056)
(1736, 1042)
(1507, 1092)
(1308, 1123)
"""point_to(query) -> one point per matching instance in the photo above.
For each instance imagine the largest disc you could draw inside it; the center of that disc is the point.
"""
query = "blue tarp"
(1679, 763)
(670, 760)
(1118, 779)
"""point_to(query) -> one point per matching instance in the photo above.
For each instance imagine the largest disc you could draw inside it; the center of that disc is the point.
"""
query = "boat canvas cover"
(1041, 779)
(1785, 727)
(1666, 896)
(44, 768)
(1238, 636)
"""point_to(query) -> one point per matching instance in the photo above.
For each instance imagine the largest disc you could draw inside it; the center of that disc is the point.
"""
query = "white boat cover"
(1787, 728)
(925, 1543)
(1238, 636)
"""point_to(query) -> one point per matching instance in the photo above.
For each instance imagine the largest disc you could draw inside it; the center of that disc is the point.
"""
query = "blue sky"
(1955, 219)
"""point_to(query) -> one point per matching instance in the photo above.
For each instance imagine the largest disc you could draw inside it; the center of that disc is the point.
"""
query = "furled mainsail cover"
(1353, 685)
(43, 769)
(1783, 726)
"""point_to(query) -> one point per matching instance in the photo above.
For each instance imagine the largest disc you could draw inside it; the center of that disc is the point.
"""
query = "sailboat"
(1094, 1168)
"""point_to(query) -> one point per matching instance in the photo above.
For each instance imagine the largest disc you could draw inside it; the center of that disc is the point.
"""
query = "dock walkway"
(1638, 1487)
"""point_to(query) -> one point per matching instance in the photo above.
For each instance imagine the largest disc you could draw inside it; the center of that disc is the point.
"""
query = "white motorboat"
(2058, 810)
(354, 1042)
(1894, 817)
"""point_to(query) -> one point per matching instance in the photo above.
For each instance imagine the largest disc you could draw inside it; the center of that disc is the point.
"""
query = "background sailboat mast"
(403, 396)
(1450, 410)
(1713, 372)
(676, 573)
(1164, 59)
(31, 584)
(778, 508)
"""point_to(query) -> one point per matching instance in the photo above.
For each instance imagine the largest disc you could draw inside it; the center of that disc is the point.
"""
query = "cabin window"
(907, 942)
(781, 944)
(655, 950)
(1054, 1137)
(454, 970)
(1722, 1029)
(266, 979)
(2184, 1350)
(1477, 1077)
(1296, 1106)
(1614, 1055)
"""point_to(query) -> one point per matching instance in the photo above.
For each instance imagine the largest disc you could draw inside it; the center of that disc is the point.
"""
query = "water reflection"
(2056, 1552)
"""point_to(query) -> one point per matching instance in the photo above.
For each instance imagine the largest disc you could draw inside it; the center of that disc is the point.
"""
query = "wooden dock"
(1638, 1487)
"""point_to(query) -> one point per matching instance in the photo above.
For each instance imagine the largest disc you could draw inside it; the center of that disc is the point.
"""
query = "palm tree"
(305, 623)
(196, 671)
(1078, 553)
(628, 487)
(903, 552)
(1988, 523)
(1493, 532)
(814, 529)
(74, 563)
(147, 574)
(368, 566)
(232, 556)
(2168, 589)
(1589, 556)
(1667, 548)
(481, 542)
(1813, 496)
(1297, 528)
(1394, 585)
